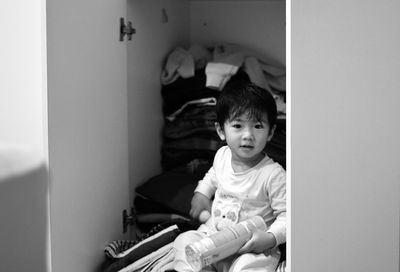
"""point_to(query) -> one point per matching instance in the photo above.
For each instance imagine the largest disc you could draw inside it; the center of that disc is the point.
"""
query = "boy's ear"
(220, 131)
(271, 133)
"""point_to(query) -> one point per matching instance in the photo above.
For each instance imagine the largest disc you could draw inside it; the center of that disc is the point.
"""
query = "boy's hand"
(259, 242)
(199, 203)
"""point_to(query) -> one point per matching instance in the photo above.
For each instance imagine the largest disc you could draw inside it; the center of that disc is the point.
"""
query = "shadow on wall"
(23, 210)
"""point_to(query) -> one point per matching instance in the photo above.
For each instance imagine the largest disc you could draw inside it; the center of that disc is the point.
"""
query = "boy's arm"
(276, 234)
(276, 189)
(202, 194)
(199, 203)
(259, 242)
(208, 185)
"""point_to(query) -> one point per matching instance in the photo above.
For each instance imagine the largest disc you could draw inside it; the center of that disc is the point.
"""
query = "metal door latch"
(125, 29)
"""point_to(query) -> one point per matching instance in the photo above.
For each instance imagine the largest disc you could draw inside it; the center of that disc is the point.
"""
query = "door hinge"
(128, 219)
(125, 29)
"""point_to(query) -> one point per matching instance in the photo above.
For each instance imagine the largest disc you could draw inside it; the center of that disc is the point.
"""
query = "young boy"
(243, 180)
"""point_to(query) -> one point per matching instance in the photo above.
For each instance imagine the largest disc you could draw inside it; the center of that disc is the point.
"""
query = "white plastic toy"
(223, 243)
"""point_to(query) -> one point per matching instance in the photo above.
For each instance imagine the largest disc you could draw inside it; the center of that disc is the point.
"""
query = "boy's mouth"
(246, 146)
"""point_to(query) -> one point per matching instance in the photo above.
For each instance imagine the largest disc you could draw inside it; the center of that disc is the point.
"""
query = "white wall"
(21, 69)
(24, 212)
(258, 25)
(345, 135)
(147, 52)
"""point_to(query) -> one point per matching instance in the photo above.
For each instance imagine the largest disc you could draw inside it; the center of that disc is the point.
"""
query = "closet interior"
(178, 63)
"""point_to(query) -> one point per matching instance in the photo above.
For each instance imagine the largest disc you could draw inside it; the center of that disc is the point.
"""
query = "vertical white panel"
(23, 172)
(345, 144)
(21, 84)
(88, 130)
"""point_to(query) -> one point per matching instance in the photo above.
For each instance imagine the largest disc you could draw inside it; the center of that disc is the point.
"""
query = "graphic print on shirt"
(225, 210)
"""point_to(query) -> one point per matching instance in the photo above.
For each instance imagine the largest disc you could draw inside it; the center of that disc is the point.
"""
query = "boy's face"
(246, 138)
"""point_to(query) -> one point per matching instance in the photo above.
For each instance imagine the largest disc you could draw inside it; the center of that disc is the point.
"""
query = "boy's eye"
(259, 126)
(236, 125)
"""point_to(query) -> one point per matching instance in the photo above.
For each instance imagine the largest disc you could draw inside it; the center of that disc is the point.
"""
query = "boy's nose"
(247, 133)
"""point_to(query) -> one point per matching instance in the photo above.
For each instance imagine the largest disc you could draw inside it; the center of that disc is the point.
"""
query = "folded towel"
(180, 63)
(218, 74)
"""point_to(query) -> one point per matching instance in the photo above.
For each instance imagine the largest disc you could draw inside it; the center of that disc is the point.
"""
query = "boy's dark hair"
(241, 97)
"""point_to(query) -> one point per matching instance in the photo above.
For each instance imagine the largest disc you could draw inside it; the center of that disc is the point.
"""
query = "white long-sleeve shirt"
(260, 190)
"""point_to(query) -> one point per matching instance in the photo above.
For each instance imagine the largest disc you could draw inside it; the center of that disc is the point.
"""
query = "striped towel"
(121, 248)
